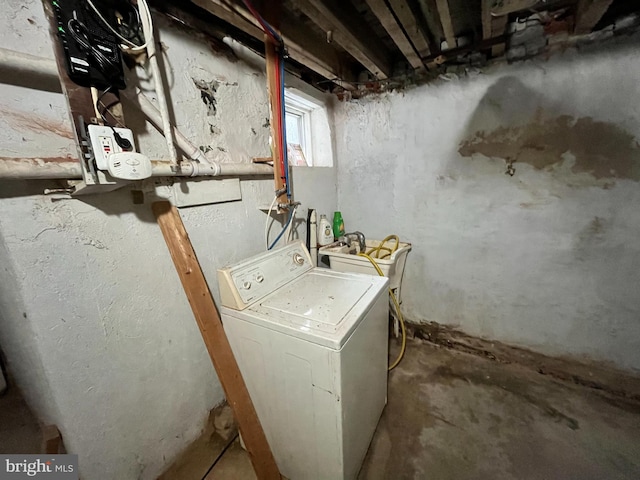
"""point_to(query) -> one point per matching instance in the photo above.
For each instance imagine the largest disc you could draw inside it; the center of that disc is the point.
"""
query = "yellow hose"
(393, 297)
(382, 247)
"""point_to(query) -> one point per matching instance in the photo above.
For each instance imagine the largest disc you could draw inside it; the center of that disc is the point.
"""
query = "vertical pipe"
(159, 86)
(276, 118)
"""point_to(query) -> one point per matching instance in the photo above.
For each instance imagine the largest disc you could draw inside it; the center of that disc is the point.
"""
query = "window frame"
(298, 106)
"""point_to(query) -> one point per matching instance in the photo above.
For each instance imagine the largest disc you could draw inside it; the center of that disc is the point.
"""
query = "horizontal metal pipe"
(63, 168)
(39, 168)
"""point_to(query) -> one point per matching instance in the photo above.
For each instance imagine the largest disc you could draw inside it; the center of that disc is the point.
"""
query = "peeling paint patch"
(601, 149)
(207, 94)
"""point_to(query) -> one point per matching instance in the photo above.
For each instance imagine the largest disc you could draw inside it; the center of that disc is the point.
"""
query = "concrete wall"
(93, 319)
(548, 258)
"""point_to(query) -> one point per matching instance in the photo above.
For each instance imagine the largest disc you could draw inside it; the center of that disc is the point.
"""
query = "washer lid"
(322, 306)
(319, 299)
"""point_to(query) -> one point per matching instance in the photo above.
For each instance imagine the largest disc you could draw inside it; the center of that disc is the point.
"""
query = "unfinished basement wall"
(94, 322)
(548, 258)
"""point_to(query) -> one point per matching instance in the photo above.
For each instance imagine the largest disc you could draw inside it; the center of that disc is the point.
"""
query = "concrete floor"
(19, 428)
(451, 415)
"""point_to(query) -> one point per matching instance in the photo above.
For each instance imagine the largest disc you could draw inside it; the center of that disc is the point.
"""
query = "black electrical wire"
(78, 31)
(224, 450)
(99, 104)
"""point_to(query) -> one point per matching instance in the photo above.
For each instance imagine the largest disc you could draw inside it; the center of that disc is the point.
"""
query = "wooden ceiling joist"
(447, 24)
(303, 46)
(382, 11)
(342, 23)
(411, 26)
(493, 27)
(589, 13)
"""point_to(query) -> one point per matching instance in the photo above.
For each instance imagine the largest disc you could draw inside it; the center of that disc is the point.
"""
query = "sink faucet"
(361, 240)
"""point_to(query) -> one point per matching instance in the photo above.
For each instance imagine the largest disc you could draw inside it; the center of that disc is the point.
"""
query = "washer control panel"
(246, 282)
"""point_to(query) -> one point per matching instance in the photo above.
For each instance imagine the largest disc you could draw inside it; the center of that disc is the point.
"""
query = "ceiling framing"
(346, 43)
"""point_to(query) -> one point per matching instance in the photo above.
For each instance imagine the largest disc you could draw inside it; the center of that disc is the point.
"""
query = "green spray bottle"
(338, 225)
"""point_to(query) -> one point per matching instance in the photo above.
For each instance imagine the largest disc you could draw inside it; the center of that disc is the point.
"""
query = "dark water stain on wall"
(207, 94)
(601, 149)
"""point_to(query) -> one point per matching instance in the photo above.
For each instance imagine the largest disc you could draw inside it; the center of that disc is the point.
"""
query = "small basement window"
(308, 133)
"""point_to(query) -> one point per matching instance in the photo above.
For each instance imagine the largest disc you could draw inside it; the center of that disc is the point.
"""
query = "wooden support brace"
(210, 324)
(51, 440)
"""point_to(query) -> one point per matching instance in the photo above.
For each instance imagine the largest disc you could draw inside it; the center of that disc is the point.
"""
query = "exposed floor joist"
(304, 47)
(493, 27)
(411, 26)
(447, 24)
(384, 14)
(589, 13)
(342, 23)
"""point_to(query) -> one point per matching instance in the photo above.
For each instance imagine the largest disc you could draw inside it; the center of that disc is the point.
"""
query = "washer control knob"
(246, 285)
(299, 259)
(259, 278)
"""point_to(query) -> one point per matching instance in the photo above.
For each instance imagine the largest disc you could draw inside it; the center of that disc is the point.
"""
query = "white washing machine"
(311, 344)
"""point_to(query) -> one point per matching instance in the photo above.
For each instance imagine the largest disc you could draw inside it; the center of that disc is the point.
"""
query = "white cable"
(128, 44)
(290, 227)
(266, 225)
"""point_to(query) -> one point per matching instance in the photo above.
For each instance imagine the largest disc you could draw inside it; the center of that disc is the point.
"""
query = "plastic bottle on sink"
(325, 234)
(338, 225)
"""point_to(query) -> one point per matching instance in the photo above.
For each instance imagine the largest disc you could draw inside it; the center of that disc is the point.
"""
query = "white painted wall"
(548, 259)
(93, 319)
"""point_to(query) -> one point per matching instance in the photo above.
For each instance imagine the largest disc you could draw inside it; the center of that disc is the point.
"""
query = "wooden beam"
(589, 13)
(493, 27)
(51, 440)
(349, 31)
(447, 24)
(486, 18)
(273, 13)
(381, 10)
(498, 28)
(413, 29)
(448, 55)
(303, 46)
(208, 319)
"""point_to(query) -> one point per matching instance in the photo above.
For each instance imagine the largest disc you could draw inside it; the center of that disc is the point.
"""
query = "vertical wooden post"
(208, 320)
(51, 440)
(271, 11)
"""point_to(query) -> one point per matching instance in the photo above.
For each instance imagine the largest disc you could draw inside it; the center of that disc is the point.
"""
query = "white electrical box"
(104, 144)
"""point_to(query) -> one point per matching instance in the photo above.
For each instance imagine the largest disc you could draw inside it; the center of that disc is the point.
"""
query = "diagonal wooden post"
(208, 319)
